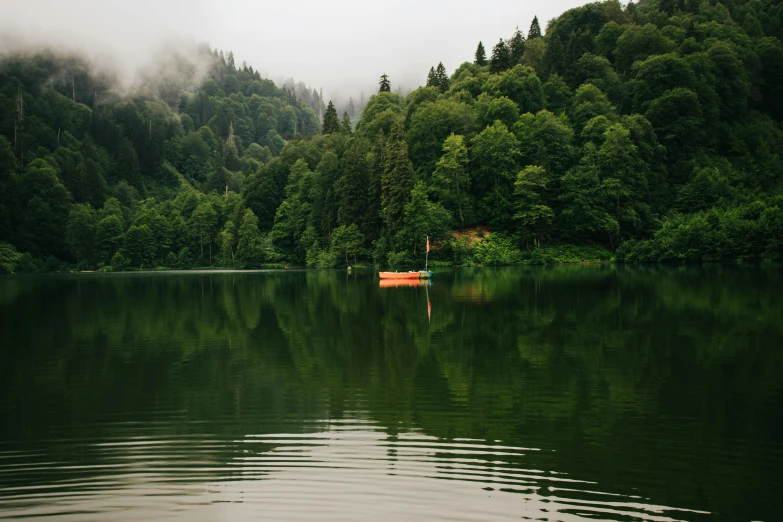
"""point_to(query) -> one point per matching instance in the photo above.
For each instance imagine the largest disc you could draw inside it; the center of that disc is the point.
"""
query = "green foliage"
(331, 122)
(385, 84)
(496, 249)
(423, 219)
(450, 182)
(535, 29)
(480, 57)
(250, 248)
(653, 128)
(501, 58)
(347, 241)
(397, 179)
(8, 258)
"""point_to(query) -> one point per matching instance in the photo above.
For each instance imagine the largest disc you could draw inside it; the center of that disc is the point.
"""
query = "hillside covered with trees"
(650, 132)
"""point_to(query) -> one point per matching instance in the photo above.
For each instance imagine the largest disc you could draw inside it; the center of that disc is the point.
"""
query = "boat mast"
(427, 255)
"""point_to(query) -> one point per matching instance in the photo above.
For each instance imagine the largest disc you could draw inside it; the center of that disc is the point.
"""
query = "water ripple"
(350, 470)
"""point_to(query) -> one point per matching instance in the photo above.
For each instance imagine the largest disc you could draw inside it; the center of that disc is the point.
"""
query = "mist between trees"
(646, 132)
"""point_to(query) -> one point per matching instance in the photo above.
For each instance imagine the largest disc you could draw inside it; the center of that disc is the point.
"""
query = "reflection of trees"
(610, 366)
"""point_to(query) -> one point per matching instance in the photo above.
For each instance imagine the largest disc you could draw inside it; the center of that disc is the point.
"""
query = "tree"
(331, 121)
(533, 212)
(294, 213)
(202, 225)
(128, 164)
(249, 242)
(139, 246)
(351, 188)
(345, 125)
(423, 219)
(535, 29)
(347, 240)
(384, 83)
(516, 47)
(441, 78)
(501, 58)
(227, 239)
(450, 180)
(95, 184)
(45, 210)
(108, 237)
(582, 199)
(80, 232)
(557, 94)
(494, 161)
(521, 84)
(397, 180)
(480, 58)
(432, 80)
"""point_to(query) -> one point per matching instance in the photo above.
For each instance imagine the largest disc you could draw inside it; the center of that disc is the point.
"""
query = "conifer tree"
(373, 222)
(345, 125)
(501, 58)
(431, 79)
(397, 180)
(331, 121)
(351, 108)
(441, 78)
(535, 29)
(384, 83)
(351, 187)
(516, 47)
(481, 55)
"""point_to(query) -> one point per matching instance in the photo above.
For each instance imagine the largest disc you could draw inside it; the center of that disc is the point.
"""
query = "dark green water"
(566, 393)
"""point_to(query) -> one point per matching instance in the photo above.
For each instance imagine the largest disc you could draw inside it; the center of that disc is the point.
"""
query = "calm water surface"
(566, 393)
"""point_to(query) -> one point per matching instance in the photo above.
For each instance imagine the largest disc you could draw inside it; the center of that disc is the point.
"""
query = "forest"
(643, 132)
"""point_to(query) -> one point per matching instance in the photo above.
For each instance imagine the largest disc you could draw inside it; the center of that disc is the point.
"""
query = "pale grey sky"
(342, 46)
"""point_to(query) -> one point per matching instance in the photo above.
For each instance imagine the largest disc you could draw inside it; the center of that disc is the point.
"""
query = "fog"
(342, 47)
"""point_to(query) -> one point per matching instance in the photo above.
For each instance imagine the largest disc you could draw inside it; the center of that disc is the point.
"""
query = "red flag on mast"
(428, 244)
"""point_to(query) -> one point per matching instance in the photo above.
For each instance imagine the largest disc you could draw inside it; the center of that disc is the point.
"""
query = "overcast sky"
(342, 46)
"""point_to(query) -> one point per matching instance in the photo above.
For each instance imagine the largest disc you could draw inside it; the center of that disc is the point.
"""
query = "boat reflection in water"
(390, 283)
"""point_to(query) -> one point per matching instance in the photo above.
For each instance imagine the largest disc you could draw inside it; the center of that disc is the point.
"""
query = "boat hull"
(404, 275)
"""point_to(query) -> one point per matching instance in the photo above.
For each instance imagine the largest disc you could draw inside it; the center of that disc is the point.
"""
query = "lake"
(547, 393)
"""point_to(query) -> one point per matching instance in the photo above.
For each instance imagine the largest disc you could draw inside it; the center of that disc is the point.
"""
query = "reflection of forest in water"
(659, 381)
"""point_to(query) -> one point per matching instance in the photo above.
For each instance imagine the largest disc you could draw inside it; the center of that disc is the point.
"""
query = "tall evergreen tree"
(351, 108)
(128, 164)
(397, 180)
(373, 222)
(331, 121)
(432, 80)
(501, 58)
(441, 78)
(352, 184)
(345, 125)
(384, 83)
(516, 47)
(481, 55)
(535, 29)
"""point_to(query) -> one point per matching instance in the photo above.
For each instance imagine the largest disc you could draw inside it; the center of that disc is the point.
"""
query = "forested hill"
(647, 132)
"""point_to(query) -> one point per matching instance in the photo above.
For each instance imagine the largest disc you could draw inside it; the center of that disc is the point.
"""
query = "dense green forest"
(646, 132)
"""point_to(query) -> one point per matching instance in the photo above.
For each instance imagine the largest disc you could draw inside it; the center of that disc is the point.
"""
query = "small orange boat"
(421, 274)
